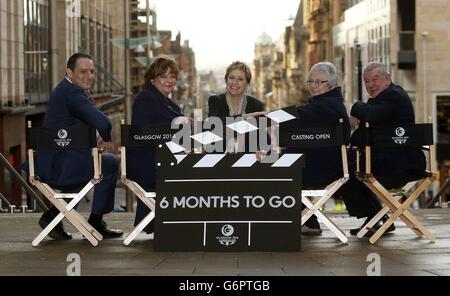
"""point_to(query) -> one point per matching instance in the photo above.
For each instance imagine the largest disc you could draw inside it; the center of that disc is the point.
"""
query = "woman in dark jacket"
(151, 106)
(234, 101)
(325, 107)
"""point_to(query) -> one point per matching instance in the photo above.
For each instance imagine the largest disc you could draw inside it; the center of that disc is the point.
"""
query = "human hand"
(354, 122)
(260, 154)
(103, 146)
(182, 120)
(254, 114)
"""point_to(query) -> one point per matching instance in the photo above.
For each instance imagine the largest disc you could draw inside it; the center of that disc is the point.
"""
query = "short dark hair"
(159, 67)
(72, 62)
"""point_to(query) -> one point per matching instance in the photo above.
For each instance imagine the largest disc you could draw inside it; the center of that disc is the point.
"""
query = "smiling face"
(318, 83)
(83, 74)
(236, 82)
(376, 81)
(166, 82)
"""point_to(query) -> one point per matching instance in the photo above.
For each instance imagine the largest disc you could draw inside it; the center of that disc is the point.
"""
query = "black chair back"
(146, 136)
(416, 135)
(312, 137)
(72, 137)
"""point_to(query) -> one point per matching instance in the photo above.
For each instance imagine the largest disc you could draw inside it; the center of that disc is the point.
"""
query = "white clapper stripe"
(280, 116)
(180, 158)
(206, 138)
(242, 127)
(286, 160)
(245, 161)
(174, 147)
(209, 161)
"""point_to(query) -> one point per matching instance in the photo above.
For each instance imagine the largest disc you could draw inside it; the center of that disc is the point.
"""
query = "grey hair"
(329, 70)
(376, 65)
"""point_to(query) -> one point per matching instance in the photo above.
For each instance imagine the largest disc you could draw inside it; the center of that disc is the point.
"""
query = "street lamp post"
(424, 60)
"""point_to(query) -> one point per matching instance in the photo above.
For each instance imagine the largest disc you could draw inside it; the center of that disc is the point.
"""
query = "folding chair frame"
(400, 210)
(148, 198)
(320, 197)
(67, 209)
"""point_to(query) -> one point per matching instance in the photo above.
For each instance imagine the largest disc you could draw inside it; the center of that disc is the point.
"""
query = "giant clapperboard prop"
(227, 202)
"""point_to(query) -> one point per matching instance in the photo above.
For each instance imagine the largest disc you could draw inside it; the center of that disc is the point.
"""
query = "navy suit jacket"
(322, 165)
(150, 107)
(70, 105)
(391, 107)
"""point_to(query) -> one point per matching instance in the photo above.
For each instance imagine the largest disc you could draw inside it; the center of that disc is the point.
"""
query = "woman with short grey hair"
(325, 107)
(329, 76)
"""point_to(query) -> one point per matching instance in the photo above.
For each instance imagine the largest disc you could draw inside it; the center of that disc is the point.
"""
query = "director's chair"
(65, 138)
(414, 136)
(314, 138)
(135, 136)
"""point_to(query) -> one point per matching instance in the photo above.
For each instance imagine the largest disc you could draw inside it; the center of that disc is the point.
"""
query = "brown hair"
(239, 66)
(159, 67)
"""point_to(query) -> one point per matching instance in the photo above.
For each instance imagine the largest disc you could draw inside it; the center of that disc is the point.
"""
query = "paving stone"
(401, 253)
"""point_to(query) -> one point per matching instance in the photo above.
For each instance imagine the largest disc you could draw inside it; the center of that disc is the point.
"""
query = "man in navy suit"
(69, 104)
(388, 105)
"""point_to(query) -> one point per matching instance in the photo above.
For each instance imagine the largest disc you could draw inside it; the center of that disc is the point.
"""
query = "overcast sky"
(222, 31)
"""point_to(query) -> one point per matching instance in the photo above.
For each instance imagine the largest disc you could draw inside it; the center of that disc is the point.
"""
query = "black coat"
(218, 107)
(390, 108)
(322, 165)
(150, 107)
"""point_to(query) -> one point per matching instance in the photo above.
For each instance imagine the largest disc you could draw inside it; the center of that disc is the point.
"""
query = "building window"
(36, 45)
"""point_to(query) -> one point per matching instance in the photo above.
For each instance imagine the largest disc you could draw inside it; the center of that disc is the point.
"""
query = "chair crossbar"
(320, 197)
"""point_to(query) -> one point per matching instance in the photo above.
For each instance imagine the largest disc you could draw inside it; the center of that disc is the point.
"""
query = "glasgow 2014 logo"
(227, 239)
(63, 141)
(400, 137)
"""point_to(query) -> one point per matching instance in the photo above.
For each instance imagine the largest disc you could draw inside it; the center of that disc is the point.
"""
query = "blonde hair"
(237, 65)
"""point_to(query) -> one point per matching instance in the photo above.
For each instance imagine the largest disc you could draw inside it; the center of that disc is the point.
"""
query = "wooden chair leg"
(325, 220)
(139, 228)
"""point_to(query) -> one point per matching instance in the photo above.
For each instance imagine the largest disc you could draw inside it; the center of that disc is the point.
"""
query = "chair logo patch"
(227, 239)
(63, 141)
(400, 137)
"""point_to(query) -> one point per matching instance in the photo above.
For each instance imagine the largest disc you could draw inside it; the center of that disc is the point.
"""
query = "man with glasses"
(325, 107)
(388, 105)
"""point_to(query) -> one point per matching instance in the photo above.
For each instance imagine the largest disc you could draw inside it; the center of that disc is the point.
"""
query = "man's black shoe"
(56, 233)
(311, 227)
(105, 231)
(374, 228)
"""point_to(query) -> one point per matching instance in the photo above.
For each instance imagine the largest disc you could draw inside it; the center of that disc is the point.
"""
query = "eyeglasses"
(316, 82)
(164, 78)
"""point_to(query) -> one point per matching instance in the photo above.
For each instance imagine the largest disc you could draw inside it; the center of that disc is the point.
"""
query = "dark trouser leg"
(142, 210)
(359, 200)
(104, 191)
